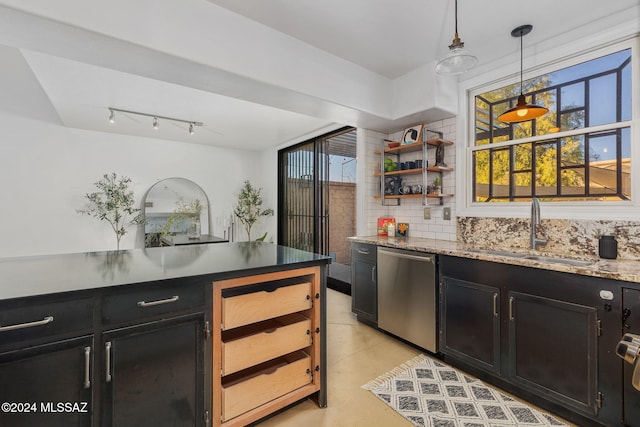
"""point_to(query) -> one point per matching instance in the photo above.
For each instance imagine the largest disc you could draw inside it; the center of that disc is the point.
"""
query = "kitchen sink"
(555, 260)
(541, 258)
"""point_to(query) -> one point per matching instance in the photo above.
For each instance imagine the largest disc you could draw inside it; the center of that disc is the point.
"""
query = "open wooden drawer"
(260, 384)
(255, 307)
(259, 342)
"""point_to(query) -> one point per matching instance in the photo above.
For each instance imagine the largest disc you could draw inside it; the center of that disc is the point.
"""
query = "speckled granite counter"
(626, 270)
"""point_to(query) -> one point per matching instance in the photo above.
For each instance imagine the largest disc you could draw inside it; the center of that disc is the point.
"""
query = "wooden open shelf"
(414, 196)
(416, 146)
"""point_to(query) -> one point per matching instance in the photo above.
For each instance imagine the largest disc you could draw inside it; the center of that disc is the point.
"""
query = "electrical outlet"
(446, 214)
(427, 212)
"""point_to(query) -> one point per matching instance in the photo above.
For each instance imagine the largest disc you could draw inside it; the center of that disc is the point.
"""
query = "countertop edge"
(615, 269)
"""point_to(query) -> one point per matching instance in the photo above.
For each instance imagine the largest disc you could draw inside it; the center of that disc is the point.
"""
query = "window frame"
(551, 60)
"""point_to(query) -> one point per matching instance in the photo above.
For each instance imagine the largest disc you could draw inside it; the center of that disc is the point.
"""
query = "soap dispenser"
(607, 247)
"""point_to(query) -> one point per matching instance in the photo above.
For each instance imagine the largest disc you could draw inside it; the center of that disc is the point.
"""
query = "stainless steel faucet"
(535, 222)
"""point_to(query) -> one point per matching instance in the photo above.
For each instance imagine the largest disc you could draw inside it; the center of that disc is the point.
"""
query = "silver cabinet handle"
(495, 304)
(107, 358)
(44, 321)
(363, 251)
(158, 302)
(510, 308)
(373, 273)
(87, 367)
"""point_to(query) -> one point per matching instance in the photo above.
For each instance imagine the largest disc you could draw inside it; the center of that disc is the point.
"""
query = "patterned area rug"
(429, 393)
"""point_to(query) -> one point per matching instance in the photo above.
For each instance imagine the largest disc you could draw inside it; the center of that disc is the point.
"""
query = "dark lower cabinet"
(470, 322)
(547, 336)
(48, 385)
(553, 349)
(154, 375)
(631, 324)
(364, 286)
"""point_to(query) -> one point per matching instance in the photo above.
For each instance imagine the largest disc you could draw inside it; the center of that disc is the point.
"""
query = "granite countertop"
(617, 269)
(41, 275)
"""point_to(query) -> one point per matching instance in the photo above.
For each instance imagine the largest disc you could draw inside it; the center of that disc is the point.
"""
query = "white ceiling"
(258, 73)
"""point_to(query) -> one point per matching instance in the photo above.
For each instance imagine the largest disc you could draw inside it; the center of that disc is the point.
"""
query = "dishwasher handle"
(422, 258)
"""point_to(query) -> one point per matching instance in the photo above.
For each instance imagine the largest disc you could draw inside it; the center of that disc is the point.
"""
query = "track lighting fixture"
(156, 118)
(522, 111)
(459, 60)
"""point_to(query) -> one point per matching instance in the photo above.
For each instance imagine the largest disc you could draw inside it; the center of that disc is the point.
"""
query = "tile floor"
(356, 353)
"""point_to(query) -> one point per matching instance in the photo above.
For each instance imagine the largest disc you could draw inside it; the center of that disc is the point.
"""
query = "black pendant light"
(459, 60)
(522, 111)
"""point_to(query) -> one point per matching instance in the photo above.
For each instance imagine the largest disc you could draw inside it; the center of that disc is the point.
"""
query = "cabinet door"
(35, 380)
(364, 290)
(153, 375)
(553, 349)
(631, 324)
(470, 323)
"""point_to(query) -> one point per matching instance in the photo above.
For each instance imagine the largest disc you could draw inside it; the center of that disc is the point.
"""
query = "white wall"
(47, 169)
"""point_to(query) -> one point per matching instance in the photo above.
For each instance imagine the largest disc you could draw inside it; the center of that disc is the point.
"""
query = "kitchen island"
(149, 336)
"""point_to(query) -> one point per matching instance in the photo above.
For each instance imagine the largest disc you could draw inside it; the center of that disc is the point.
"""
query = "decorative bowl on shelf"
(394, 144)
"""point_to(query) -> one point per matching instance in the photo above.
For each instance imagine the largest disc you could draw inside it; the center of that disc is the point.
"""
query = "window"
(579, 151)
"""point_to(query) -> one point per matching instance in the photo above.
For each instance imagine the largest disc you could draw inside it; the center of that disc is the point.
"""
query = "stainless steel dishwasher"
(407, 296)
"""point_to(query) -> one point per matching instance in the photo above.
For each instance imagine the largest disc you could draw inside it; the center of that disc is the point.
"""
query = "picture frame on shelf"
(412, 135)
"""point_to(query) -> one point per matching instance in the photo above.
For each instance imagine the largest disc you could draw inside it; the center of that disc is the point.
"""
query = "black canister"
(607, 247)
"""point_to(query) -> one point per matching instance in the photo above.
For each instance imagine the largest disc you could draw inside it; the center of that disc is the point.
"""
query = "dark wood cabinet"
(630, 324)
(36, 381)
(470, 322)
(364, 286)
(154, 374)
(553, 349)
(545, 335)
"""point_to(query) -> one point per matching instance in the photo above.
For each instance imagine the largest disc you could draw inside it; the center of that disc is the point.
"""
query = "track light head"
(191, 132)
(112, 116)
(156, 125)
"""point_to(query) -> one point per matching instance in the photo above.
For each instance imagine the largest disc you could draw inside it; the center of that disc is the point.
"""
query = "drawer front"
(284, 376)
(255, 307)
(151, 301)
(364, 251)
(272, 339)
(35, 319)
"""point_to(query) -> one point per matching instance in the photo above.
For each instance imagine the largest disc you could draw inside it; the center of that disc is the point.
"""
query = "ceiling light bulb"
(112, 116)
(191, 129)
(522, 112)
(156, 125)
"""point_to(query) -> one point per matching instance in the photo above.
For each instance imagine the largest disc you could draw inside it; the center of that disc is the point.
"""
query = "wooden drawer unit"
(152, 301)
(41, 320)
(262, 305)
(266, 344)
(250, 345)
(264, 383)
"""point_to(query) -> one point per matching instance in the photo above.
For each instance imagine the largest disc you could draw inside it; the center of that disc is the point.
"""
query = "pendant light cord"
(521, 64)
(456, 10)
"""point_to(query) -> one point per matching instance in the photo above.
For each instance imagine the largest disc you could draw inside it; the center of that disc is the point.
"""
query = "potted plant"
(249, 207)
(188, 212)
(113, 203)
(437, 188)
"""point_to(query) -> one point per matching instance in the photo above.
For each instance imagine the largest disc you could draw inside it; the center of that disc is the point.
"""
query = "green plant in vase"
(113, 202)
(184, 212)
(249, 208)
(437, 185)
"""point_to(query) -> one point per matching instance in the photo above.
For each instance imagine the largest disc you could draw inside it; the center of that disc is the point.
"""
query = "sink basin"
(541, 258)
(500, 253)
(555, 260)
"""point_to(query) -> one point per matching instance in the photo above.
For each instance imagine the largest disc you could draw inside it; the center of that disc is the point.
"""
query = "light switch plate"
(446, 214)
(427, 212)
